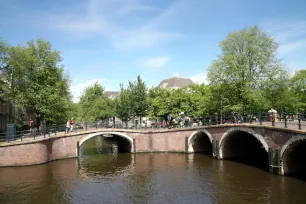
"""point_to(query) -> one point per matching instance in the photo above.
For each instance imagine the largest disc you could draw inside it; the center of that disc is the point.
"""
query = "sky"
(114, 41)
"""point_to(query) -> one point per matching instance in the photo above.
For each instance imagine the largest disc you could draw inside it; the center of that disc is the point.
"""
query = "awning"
(272, 111)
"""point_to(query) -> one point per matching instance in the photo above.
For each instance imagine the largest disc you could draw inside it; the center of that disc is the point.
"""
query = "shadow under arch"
(123, 140)
(200, 141)
(293, 157)
(245, 146)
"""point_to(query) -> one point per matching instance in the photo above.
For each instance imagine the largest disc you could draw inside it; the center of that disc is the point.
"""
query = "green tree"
(76, 111)
(199, 100)
(123, 105)
(180, 100)
(138, 98)
(247, 60)
(95, 104)
(158, 102)
(276, 91)
(3, 54)
(3, 61)
(35, 83)
(298, 87)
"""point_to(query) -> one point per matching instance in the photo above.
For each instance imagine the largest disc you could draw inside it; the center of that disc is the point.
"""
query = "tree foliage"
(298, 87)
(247, 76)
(3, 53)
(158, 102)
(95, 104)
(193, 101)
(35, 83)
(138, 97)
(133, 101)
(123, 105)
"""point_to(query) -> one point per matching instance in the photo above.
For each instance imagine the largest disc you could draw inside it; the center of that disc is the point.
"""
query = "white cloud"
(291, 46)
(78, 88)
(289, 34)
(104, 18)
(143, 38)
(200, 78)
(157, 62)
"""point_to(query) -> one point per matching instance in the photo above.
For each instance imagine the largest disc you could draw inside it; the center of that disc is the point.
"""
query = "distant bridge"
(277, 149)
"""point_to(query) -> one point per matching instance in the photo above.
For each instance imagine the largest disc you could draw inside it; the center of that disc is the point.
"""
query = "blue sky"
(113, 41)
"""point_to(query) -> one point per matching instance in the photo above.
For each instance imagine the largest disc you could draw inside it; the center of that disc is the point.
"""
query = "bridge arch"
(122, 135)
(244, 145)
(200, 141)
(293, 156)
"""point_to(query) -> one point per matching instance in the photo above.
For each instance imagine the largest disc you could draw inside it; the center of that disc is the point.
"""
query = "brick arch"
(241, 129)
(189, 139)
(284, 167)
(128, 138)
(288, 144)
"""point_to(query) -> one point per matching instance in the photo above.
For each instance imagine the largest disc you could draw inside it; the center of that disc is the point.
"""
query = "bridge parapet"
(274, 140)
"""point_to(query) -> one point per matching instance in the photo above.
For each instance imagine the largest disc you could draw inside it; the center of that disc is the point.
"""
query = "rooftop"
(112, 94)
(175, 82)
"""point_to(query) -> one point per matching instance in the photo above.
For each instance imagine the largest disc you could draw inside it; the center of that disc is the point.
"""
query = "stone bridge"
(276, 149)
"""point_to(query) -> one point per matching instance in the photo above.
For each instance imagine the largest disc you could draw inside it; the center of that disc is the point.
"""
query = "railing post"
(96, 125)
(78, 148)
(55, 129)
(260, 118)
(285, 115)
(86, 126)
(299, 119)
(21, 135)
(273, 120)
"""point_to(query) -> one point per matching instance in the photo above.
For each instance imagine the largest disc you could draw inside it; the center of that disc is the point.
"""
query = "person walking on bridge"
(31, 123)
(67, 126)
(71, 125)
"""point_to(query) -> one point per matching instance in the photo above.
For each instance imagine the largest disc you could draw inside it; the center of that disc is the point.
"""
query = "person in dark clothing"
(168, 119)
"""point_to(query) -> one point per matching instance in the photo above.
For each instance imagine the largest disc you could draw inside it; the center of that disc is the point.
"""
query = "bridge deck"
(293, 126)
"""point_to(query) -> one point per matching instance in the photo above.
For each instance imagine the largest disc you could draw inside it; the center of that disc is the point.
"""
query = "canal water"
(101, 175)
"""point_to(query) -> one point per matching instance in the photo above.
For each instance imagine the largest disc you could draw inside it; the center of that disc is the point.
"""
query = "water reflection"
(48, 182)
(104, 177)
(99, 158)
(105, 165)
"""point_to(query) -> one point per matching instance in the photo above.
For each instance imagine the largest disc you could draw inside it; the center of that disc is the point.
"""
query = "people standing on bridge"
(165, 121)
(31, 124)
(182, 119)
(71, 124)
(169, 120)
(67, 126)
(234, 117)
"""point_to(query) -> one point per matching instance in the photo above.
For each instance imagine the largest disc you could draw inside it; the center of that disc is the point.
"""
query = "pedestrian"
(31, 124)
(71, 124)
(67, 126)
(169, 121)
